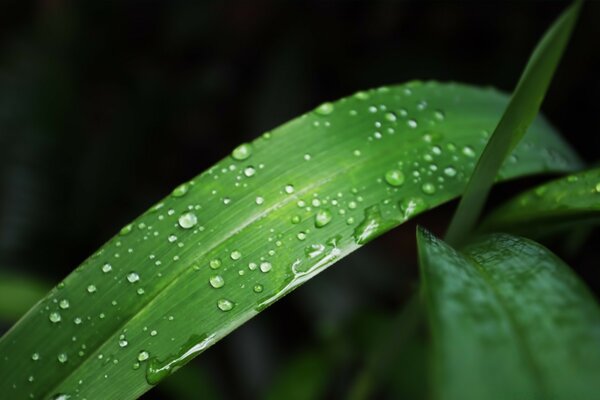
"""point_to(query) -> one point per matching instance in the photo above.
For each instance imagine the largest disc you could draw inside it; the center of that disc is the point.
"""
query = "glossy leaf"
(509, 320)
(562, 203)
(524, 105)
(264, 220)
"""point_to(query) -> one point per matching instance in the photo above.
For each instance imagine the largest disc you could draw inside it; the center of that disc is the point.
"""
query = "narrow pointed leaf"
(520, 113)
(509, 320)
(556, 205)
(233, 240)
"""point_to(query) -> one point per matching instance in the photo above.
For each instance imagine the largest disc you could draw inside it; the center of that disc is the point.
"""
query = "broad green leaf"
(509, 320)
(562, 203)
(524, 105)
(18, 294)
(238, 237)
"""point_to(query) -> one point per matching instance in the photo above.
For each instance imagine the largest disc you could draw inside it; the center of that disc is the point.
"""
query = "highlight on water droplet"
(412, 206)
(188, 220)
(394, 177)
(242, 152)
(106, 268)
(133, 277)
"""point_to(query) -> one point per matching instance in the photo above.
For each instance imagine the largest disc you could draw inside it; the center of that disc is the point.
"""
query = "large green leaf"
(524, 105)
(233, 240)
(562, 203)
(509, 320)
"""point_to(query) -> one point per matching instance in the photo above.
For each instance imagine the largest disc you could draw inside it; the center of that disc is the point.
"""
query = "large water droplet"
(217, 281)
(322, 218)
(242, 152)
(64, 304)
(188, 220)
(224, 305)
(394, 177)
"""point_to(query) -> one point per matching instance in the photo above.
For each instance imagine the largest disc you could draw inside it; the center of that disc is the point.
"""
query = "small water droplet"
(235, 255)
(123, 343)
(412, 123)
(133, 277)
(215, 263)
(390, 116)
(249, 171)
(301, 235)
(106, 268)
(289, 189)
(322, 218)
(180, 190)
(242, 152)
(362, 95)
(62, 358)
(172, 238)
(64, 304)
(265, 266)
(188, 220)
(125, 230)
(35, 356)
(91, 288)
(428, 188)
(450, 171)
(258, 288)
(597, 187)
(259, 200)
(439, 115)
(217, 281)
(394, 177)
(325, 109)
(307, 157)
(143, 356)
(224, 305)
(468, 151)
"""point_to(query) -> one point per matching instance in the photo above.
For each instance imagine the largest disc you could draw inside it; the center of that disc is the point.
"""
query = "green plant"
(279, 210)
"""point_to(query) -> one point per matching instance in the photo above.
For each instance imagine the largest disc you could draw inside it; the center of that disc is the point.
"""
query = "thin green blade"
(509, 320)
(562, 203)
(520, 113)
(252, 228)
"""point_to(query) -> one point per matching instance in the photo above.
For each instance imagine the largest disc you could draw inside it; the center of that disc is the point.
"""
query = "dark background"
(106, 106)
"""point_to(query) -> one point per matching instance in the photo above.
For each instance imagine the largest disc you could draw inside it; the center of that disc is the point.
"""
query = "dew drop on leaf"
(35, 356)
(325, 109)
(217, 281)
(394, 177)
(106, 268)
(64, 304)
(322, 218)
(133, 277)
(235, 255)
(215, 263)
(249, 171)
(258, 288)
(143, 356)
(428, 188)
(289, 189)
(242, 152)
(62, 358)
(224, 305)
(180, 190)
(468, 151)
(412, 123)
(188, 220)
(125, 230)
(265, 266)
(54, 317)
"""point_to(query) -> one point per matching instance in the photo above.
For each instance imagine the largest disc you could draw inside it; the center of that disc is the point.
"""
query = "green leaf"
(509, 320)
(520, 113)
(238, 237)
(556, 205)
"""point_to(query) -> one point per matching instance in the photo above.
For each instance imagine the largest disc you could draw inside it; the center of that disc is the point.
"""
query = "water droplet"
(265, 266)
(372, 226)
(394, 177)
(143, 356)
(133, 277)
(412, 123)
(307, 157)
(258, 288)
(289, 189)
(390, 116)
(259, 200)
(123, 343)
(64, 304)
(125, 230)
(224, 305)
(62, 358)
(468, 151)
(153, 332)
(215, 263)
(439, 115)
(362, 95)
(106, 268)
(35, 356)
(450, 171)
(188, 220)
(235, 255)
(172, 238)
(428, 188)
(249, 171)
(598, 187)
(91, 288)
(242, 152)
(322, 218)
(301, 235)
(180, 190)
(217, 281)
(325, 109)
